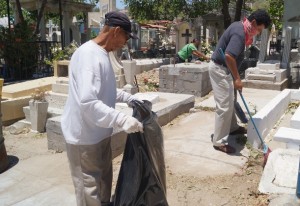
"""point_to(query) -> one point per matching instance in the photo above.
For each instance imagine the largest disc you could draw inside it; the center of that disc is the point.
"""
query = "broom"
(266, 149)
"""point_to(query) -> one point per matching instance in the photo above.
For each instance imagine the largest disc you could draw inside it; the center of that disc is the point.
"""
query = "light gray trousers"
(225, 119)
(91, 170)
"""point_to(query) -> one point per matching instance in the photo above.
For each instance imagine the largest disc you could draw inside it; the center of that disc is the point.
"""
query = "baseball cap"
(115, 18)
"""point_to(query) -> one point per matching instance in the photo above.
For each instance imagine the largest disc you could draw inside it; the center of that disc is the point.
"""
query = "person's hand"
(238, 85)
(130, 101)
(132, 125)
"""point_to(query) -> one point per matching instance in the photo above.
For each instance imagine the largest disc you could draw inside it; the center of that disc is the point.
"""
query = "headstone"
(285, 64)
(74, 30)
(267, 75)
(185, 78)
(50, 26)
(130, 70)
(183, 35)
(54, 37)
(135, 44)
(263, 45)
(187, 36)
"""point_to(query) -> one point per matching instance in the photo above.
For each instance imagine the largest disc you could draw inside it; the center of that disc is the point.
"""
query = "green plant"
(14, 43)
(93, 34)
(59, 54)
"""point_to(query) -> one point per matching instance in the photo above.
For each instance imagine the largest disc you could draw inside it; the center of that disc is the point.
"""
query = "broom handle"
(265, 148)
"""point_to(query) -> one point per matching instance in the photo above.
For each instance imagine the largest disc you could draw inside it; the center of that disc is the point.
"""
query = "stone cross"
(263, 45)
(50, 26)
(285, 64)
(187, 35)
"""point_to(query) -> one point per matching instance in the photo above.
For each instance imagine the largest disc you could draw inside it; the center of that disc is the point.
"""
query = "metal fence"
(27, 60)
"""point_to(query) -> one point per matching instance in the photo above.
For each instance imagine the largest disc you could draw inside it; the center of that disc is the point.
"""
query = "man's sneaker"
(225, 148)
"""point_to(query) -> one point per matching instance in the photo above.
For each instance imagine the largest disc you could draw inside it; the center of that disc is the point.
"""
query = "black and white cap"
(115, 18)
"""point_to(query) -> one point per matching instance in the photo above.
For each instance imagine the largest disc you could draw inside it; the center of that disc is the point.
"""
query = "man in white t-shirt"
(89, 114)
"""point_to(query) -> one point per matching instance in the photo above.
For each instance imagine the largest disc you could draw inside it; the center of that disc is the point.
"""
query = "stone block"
(290, 136)
(57, 142)
(61, 68)
(62, 80)
(295, 94)
(259, 84)
(295, 120)
(12, 109)
(280, 173)
(267, 117)
(56, 100)
(263, 77)
(26, 88)
(192, 86)
(280, 75)
(26, 111)
(268, 66)
(184, 78)
(251, 70)
(55, 137)
(169, 107)
(189, 76)
(60, 88)
(52, 112)
(151, 97)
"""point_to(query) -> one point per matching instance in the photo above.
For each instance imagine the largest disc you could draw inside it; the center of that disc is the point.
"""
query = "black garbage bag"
(142, 177)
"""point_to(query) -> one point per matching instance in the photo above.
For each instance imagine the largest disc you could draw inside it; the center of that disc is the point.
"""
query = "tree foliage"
(3, 8)
(170, 9)
(275, 9)
(186, 9)
(260, 4)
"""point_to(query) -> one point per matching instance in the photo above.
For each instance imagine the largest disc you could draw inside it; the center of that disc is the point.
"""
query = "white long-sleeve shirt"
(89, 113)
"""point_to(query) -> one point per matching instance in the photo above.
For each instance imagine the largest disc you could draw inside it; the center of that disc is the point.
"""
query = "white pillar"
(130, 71)
(285, 64)
(263, 45)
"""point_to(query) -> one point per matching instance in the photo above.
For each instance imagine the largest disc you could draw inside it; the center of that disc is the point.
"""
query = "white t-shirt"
(89, 113)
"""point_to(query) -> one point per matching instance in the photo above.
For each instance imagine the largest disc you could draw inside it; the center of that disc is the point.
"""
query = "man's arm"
(232, 66)
(199, 54)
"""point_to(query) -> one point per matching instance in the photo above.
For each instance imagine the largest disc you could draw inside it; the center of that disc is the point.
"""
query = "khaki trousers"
(225, 119)
(91, 170)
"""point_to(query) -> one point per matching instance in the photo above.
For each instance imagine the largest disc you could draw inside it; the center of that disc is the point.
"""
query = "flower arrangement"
(151, 85)
(205, 48)
(39, 95)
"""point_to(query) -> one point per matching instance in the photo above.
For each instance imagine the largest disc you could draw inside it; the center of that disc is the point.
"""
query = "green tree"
(260, 4)
(276, 12)
(3, 8)
(187, 9)
(169, 9)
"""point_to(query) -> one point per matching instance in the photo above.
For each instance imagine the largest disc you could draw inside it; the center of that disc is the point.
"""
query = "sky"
(120, 4)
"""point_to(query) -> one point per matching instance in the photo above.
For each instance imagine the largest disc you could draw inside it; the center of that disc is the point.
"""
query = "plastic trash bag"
(240, 113)
(142, 177)
(238, 109)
